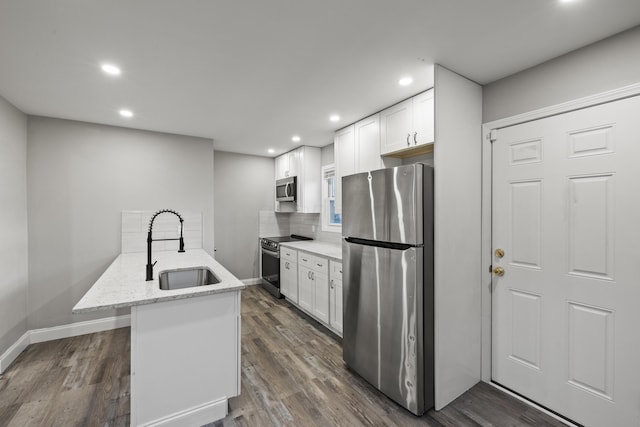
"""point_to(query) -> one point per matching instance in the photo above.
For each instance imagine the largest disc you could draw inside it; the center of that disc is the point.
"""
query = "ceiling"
(250, 74)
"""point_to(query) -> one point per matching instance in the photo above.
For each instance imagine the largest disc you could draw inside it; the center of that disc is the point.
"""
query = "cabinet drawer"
(289, 254)
(313, 262)
(335, 270)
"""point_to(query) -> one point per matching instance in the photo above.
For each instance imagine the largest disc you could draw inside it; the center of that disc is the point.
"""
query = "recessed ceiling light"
(405, 81)
(271, 151)
(111, 69)
(126, 113)
(295, 138)
(334, 118)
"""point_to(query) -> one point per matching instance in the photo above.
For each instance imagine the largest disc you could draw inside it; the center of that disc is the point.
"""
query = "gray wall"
(602, 66)
(80, 177)
(13, 225)
(327, 155)
(244, 185)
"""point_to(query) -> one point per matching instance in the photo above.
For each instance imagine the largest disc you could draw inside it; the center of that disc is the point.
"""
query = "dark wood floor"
(292, 374)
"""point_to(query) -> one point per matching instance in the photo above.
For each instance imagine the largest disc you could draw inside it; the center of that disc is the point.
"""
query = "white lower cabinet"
(335, 296)
(313, 288)
(289, 274)
(305, 289)
(321, 295)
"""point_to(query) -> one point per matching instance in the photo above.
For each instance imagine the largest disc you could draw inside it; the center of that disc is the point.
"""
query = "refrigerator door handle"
(385, 245)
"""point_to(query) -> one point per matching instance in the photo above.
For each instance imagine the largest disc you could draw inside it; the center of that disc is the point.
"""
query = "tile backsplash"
(284, 224)
(272, 224)
(135, 226)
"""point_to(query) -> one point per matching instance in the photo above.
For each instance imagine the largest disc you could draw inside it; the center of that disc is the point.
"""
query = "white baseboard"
(14, 351)
(79, 328)
(252, 281)
(200, 415)
(35, 336)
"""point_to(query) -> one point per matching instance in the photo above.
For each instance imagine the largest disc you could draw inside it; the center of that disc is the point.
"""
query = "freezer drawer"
(383, 336)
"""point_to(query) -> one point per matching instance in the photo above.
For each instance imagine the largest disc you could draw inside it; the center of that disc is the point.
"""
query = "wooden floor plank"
(292, 374)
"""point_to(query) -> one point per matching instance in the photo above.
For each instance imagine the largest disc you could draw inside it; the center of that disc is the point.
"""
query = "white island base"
(185, 360)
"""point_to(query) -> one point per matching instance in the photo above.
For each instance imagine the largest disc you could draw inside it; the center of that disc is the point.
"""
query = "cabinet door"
(345, 159)
(423, 119)
(282, 166)
(305, 289)
(335, 305)
(395, 127)
(367, 144)
(295, 162)
(320, 295)
(289, 280)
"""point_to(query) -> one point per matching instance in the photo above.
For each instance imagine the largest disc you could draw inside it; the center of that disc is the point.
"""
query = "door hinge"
(493, 135)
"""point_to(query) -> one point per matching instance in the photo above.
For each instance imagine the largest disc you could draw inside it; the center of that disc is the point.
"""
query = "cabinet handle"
(309, 275)
(313, 276)
(319, 265)
(415, 140)
(408, 135)
(331, 283)
(304, 259)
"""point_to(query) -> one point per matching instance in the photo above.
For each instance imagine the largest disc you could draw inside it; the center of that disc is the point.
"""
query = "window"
(331, 221)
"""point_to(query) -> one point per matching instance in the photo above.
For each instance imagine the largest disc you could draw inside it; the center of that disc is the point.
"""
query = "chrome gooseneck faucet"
(150, 240)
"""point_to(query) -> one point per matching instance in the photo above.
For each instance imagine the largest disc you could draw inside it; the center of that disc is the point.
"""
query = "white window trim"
(326, 226)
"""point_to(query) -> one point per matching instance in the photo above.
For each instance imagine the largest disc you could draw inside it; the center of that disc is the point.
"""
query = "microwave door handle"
(286, 189)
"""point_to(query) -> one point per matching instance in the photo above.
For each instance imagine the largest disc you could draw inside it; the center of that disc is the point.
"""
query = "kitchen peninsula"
(185, 343)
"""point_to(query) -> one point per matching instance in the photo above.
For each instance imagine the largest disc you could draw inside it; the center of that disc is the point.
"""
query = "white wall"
(13, 225)
(457, 227)
(608, 64)
(80, 177)
(244, 185)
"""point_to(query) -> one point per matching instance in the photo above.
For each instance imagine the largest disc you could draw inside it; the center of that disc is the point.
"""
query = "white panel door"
(566, 213)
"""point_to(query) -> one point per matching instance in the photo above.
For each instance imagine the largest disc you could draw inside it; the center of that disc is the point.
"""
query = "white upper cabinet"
(303, 163)
(283, 169)
(344, 153)
(407, 125)
(367, 144)
(357, 149)
(423, 118)
(395, 131)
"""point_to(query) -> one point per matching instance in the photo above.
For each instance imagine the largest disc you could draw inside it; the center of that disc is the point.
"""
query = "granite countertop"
(123, 282)
(326, 249)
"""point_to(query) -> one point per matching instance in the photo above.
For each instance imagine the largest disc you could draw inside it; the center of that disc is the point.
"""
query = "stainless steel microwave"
(286, 189)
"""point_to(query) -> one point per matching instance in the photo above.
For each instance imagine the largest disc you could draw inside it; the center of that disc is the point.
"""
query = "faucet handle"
(154, 263)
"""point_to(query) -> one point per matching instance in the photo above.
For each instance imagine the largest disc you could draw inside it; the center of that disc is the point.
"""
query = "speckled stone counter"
(325, 249)
(123, 282)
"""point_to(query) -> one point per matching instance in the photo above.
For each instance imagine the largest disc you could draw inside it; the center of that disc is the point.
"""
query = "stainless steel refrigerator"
(387, 254)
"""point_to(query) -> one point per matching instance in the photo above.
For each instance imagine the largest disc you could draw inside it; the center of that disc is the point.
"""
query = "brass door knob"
(499, 253)
(498, 271)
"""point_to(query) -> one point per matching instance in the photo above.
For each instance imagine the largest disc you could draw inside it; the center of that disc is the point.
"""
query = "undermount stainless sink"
(181, 278)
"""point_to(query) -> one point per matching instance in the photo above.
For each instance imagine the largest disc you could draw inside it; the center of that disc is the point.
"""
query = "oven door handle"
(270, 253)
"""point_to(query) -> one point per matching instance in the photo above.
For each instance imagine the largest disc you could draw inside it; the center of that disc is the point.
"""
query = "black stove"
(271, 261)
(273, 243)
